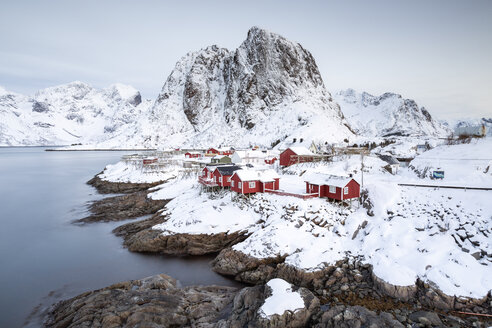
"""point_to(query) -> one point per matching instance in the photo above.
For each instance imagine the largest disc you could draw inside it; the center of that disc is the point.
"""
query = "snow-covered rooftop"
(253, 175)
(301, 151)
(330, 180)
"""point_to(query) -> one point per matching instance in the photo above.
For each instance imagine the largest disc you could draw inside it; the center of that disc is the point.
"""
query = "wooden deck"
(283, 193)
(207, 182)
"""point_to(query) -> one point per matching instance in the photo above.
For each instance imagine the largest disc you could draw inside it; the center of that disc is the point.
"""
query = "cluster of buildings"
(239, 176)
(289, 156)
(243, 181)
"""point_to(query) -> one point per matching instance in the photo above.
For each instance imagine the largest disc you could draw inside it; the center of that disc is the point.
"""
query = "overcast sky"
(436, 52)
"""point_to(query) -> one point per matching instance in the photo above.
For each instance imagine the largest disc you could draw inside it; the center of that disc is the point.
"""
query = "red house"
(294, 155)
(333, 187)
(249, 181)
(206, 177)
(193, 155)
(149, 160)
(223, 173)
(219, 151)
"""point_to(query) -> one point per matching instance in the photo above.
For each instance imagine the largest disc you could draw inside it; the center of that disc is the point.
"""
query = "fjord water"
(44, 257)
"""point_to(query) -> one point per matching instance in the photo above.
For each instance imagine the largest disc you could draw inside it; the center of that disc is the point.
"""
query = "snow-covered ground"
(464, 165)
(195, 212)
(282, 299)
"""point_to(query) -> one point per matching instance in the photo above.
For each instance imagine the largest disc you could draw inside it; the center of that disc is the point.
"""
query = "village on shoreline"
(355, 226)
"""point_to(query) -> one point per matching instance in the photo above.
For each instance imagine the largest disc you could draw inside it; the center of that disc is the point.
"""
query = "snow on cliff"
(267, 89)
(387, 115)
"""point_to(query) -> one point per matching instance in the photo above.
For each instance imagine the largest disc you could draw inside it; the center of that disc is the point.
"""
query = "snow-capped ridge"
(387, 115)
(69, 113)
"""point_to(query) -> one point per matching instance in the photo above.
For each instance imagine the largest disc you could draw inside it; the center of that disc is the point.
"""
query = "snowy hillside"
(66, 114)
(453, 124)
(267, 89)
(387, 115)
(467, 165)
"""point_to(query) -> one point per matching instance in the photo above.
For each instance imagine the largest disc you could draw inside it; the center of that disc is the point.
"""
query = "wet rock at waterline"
(152, 302)
(107, 187)
(123, 207)
(154, 241)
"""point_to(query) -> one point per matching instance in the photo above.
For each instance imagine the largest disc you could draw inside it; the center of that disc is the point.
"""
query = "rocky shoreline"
(345, 294)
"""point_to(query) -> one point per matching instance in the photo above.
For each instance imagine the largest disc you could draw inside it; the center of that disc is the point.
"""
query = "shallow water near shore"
(44, 257)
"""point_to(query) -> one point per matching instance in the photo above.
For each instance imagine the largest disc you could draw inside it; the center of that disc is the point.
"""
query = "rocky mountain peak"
(267, 76)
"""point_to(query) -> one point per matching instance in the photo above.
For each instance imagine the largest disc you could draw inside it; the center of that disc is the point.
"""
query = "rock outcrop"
(355, 316)
(246, 310)
(108, 187)
(347, 280)
(152, 302)
(119, 208)
(154, 241)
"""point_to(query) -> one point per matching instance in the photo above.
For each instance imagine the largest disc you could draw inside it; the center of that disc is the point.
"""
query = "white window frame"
(239, 185)
(252, 184)
(228, 179)
(220, 179)
(332, 189)
(345, 190)
(232, 183)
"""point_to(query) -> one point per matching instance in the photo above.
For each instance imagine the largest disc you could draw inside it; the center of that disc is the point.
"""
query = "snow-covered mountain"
(387, 115)
(69, 113)
(267, 89)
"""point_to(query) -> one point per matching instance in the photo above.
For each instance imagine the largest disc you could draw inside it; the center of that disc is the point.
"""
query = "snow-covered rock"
(387, 115)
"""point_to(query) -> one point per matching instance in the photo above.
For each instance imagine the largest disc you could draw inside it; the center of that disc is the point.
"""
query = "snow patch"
(282, 299)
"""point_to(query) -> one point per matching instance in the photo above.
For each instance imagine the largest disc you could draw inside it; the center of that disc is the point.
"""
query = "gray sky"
(436, 52)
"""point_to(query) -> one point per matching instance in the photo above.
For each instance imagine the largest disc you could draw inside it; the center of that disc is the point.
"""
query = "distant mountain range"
(266, 91)
(66, 114)
(387, 115)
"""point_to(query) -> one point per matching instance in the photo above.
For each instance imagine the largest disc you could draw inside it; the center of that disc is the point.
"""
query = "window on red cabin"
(345, 191)
(229, 179)
(220, 179)
(333, 189)
(239, 185)
(232, 183)
(252, 184)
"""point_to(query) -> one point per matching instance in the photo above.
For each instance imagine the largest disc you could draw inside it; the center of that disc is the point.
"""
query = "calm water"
(45, 258)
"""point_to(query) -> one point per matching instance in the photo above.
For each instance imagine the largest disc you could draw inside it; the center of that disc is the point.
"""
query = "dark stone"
(123, 207)
(40, 107)
(107, 187)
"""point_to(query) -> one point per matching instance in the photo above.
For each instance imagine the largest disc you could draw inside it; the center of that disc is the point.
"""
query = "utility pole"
(362, 168)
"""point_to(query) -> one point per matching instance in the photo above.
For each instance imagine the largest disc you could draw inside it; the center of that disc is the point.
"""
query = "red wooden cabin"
(193, 155)
(249, 181)
(206, 177)
(332, 187)
(219, 151)
(223, 173)
(294, 155)
(149, 160)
